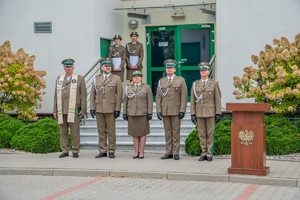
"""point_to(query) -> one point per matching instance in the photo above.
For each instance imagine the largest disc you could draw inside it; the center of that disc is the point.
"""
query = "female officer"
(137, 110)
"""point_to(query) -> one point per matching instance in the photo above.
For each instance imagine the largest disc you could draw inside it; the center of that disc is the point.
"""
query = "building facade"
(225, 32)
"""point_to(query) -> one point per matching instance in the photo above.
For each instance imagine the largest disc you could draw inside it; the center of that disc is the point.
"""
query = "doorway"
(187, 44)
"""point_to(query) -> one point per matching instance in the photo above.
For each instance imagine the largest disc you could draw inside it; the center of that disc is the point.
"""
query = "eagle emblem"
(246, 137)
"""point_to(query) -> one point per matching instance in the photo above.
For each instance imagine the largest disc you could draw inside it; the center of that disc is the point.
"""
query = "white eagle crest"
(246, 137)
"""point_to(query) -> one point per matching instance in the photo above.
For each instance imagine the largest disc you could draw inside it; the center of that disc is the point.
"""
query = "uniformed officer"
(105, 103)
(117, 53)
(205, 109)
(137, 110)
(69, 105)
(135, 55)
(171, 101)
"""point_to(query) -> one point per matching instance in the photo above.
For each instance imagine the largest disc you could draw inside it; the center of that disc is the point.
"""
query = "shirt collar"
(172, 77)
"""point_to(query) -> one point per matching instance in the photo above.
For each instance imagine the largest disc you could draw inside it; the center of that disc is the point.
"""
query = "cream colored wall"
(162, 17)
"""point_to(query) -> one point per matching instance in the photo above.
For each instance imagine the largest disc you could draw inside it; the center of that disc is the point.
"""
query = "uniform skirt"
(138, 126)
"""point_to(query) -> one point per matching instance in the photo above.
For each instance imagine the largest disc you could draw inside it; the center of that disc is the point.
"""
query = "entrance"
(187, 44)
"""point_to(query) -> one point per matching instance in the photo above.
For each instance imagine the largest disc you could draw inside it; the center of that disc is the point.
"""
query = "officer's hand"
(159, 116)
(125, 117)
(194, 119)
(55, 115)
(93, 113)
(149, 116)
(181, 115)
(117, 114)
(218, 118)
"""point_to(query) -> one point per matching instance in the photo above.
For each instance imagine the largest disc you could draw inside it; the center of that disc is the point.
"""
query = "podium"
(248, 138)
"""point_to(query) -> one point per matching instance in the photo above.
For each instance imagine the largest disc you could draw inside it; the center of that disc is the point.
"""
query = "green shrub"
(282, 137)
(41, 136)
(8, 128)
(286, 144)
(192, 146)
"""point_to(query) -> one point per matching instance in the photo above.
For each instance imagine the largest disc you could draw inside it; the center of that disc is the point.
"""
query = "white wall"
(76, 30)
(244, 28)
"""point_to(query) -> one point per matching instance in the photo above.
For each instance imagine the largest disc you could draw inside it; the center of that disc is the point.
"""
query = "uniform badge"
(73, 81)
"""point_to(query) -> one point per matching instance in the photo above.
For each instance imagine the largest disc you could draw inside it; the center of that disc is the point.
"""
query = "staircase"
(155, 140)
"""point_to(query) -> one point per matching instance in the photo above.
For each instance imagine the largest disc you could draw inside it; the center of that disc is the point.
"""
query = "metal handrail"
(88, 77)
(212, 63)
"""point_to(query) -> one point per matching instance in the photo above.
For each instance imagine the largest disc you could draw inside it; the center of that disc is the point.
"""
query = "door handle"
(148, 39)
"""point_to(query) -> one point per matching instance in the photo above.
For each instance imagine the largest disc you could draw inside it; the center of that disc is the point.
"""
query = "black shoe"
(63, 154)
(202, 158)
(176, 157)
(111, 155)
(166, 156)
(135, 157)
(209, 159)
(75, 155)
(100, 155)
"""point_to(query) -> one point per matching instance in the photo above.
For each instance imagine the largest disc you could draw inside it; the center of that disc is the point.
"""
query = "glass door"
(187, 44)
(195, 45)
(160, 46)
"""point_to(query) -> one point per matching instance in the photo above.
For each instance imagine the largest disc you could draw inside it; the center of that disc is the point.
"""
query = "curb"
(287, 182)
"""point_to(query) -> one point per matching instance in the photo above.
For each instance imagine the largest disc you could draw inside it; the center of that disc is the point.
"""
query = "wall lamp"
(146, 19)
(137, 15)
(210, 12)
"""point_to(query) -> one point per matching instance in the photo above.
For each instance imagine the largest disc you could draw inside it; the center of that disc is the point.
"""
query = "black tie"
(170, 80)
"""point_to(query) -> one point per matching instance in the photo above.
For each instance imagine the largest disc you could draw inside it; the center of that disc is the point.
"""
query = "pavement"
(283, 172)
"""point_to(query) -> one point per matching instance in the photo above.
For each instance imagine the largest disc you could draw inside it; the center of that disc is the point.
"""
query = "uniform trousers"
(64, 139)
(206, 127)
(172, 134)
(106, 124)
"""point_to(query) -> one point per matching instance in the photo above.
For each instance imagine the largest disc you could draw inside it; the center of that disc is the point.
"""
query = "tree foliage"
(20, 84)
(278, 70)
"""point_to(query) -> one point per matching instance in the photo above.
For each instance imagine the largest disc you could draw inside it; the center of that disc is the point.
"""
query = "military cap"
(170, 63)
(105, 61)
(204, 66)
(134, 33)
(118, 37)
(68, 62)
(137, 73)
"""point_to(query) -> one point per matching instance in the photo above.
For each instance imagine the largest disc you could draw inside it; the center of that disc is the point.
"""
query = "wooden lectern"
(248, 138)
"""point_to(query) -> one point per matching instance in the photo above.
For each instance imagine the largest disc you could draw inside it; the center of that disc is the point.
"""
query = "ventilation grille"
(42, 27)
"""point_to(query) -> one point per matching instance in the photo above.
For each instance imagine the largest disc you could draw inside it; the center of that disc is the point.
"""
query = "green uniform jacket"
(106, 96)
(175, 100)
(210, 105)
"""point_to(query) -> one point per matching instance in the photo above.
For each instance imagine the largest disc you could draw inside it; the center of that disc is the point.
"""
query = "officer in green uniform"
(137, 110)
(171, 101)
(105, 104)
(117, 53)
(205, 109)
(69, 105)
(135, 55)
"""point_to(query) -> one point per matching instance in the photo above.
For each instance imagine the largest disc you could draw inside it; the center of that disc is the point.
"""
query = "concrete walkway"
(282, 172)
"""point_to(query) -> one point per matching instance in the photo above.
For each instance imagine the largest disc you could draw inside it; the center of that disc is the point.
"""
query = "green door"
(187, 44)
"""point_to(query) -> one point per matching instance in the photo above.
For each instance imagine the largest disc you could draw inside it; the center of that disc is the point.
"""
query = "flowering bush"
(279, 74)
(20, 83)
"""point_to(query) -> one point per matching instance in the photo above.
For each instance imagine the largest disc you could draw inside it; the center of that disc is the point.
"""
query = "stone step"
(155, 140)
(119, 121)
(124, 137)
(123, 128)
